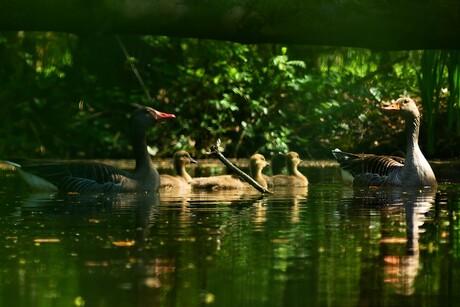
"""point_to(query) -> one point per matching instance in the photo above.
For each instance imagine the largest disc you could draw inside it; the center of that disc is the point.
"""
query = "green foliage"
(440, 91)
(69, 96)
(431, 79)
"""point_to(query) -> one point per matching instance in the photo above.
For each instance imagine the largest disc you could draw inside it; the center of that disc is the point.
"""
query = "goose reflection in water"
(108, 234)
(395, 207)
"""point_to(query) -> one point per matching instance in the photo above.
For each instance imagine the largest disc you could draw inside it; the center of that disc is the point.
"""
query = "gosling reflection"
(281, 195)
(399, 255)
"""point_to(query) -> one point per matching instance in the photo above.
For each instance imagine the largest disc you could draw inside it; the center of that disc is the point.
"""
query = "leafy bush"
(69, 96)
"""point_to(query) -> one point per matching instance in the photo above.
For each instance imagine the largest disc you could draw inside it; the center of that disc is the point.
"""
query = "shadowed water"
(325, 245)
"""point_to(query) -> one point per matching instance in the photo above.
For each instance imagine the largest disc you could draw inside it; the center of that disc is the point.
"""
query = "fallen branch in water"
(235, 170)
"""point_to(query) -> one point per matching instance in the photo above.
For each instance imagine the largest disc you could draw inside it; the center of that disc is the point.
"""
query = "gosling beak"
(193, 161)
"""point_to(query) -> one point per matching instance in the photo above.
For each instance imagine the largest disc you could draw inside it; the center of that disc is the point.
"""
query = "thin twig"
(133, 67)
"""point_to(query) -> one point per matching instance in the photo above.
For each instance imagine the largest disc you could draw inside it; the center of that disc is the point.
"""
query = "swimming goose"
(182, 180)
(373, 170)
(91, 177)
(229, 182)
(294, 178)
(257, 163)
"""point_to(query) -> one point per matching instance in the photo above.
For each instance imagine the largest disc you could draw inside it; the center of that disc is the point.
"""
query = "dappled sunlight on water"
(325, 245)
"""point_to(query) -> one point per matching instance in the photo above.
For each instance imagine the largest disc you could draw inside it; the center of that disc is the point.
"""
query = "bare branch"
(235, 170)
(390, 25)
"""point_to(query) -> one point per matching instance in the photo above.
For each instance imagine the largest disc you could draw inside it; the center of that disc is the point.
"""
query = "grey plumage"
(91, 177)
(357, 164)
(372, 170)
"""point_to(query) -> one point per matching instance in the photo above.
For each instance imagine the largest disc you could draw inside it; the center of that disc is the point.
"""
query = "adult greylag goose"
(229, 182)
(294, 178)
(372, 170)
(182, 180)
(90, 177)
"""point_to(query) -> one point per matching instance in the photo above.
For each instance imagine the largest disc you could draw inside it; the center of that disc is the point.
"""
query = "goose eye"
(406, 101)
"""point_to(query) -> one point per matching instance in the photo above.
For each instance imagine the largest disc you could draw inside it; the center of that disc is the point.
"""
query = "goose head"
(292, 160)
(145, 117)
(182, 158)
(256, 163)
(404, 105)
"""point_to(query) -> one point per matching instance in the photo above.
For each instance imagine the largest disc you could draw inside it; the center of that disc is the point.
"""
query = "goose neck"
(255, 173)
(412, 132)
(181, 171)
(141, 154)
(292, 170)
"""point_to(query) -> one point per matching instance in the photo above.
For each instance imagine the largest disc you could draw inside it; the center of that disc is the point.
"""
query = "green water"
(322, 246)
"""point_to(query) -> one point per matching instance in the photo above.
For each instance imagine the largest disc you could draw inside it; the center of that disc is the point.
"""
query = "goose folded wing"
(368, 163)
(85, 185)
(55, 172)
(369, 180)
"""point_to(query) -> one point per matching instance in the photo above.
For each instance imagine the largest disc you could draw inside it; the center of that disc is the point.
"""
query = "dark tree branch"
(235, 170)
(390, 25)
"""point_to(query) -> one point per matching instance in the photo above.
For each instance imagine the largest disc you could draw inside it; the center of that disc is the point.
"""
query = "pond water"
(325, 245)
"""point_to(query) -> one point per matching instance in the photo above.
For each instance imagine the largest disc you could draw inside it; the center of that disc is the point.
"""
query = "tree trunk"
(390, 25)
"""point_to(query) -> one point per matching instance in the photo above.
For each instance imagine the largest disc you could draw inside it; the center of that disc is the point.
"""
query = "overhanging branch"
(390, 25)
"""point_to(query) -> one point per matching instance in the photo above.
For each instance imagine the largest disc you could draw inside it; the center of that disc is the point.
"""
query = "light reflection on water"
(325, 245)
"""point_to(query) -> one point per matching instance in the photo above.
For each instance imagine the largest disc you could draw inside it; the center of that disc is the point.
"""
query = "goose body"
(182, 180)
(229, 182)
(359, 166)
(294, 178)
(365, 170)
(222, 182)
(91, 177)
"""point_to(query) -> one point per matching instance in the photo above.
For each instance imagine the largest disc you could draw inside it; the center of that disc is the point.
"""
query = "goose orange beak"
(390, 106)
(161, 116)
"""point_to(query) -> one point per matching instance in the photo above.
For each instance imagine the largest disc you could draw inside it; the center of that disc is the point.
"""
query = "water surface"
(325, 245)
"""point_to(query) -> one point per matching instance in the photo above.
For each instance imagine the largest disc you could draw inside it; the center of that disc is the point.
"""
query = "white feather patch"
(37, 182)
(34, 181)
